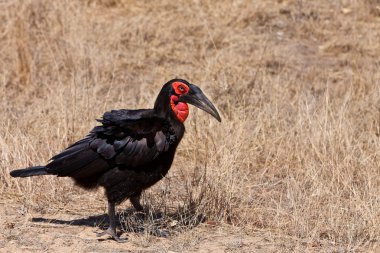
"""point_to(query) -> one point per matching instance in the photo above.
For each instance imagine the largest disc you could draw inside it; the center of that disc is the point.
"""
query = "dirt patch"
(59, 231)
(62, 232)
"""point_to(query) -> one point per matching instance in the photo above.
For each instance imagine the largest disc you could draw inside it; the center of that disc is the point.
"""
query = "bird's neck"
(180, 109)
(167, 106)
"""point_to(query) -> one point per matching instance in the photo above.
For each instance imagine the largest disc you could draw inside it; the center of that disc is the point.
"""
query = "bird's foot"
(113, 234)
(160, 233)
(141, 215)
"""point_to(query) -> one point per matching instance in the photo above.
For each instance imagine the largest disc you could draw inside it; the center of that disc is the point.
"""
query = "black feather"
(119, 144)
(71, 163)
(29, 172)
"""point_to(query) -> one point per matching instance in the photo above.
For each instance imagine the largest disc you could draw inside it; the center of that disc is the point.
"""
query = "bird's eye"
(180, 88)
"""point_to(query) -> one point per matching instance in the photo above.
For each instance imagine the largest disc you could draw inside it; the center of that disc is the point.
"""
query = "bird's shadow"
(91, 221)
(155, 223)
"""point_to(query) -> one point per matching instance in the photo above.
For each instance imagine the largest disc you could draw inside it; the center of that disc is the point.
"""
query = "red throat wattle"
(180, 109)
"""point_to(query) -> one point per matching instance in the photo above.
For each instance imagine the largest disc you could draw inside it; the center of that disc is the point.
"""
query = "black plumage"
(130, 150)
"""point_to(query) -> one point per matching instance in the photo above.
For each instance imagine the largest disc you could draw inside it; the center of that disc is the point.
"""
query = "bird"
(130, 150)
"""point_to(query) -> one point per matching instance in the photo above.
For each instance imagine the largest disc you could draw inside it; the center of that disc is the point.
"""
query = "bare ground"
(75, 231)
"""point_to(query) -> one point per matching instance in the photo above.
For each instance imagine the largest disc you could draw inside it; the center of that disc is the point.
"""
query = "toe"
(119, 240)
(113, 234)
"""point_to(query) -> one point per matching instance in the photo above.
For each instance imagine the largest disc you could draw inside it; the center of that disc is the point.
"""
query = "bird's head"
(181, 93)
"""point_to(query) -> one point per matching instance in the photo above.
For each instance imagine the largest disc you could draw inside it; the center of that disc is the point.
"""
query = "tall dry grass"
(296, 82)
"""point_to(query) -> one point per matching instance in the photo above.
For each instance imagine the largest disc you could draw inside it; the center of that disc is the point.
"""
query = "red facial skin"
(180, 109)
(180, 88)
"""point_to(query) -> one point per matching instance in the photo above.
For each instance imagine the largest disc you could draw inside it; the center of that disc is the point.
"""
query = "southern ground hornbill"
(131, 150)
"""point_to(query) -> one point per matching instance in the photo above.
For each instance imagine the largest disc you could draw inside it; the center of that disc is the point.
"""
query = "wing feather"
(126, 138)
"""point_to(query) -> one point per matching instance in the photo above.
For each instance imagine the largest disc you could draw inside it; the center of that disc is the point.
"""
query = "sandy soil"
(26, 230)
(76, 231)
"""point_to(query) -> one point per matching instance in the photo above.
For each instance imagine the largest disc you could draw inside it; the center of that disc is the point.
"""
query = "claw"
(160, 233)
(113, 234)
(140, 216)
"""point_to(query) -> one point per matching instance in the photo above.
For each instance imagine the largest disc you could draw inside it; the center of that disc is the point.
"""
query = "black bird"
(131, 150)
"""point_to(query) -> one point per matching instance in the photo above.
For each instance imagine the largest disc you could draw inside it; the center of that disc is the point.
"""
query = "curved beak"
(196, 97)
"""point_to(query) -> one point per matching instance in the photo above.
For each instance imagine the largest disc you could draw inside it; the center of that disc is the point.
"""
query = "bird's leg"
(135, 200)
(112, 228)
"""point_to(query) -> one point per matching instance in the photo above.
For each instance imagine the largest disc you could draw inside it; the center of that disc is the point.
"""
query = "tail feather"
(29, 172)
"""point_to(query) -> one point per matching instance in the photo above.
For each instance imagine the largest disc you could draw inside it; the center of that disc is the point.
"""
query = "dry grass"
(297, 84)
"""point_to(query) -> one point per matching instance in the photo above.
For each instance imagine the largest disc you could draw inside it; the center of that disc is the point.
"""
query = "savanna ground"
(293, 167)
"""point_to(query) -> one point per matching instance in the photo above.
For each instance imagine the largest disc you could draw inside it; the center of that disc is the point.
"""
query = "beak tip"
(198, 99)
(216, 115)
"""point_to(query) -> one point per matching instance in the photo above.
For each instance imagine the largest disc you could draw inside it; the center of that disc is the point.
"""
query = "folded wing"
(126, 139)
